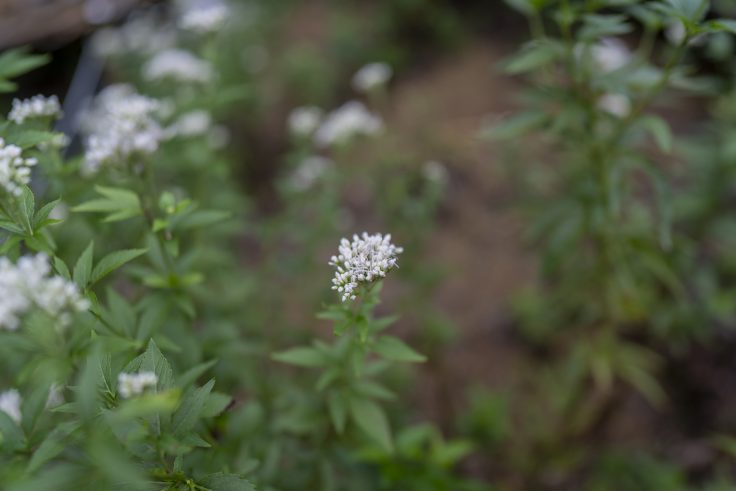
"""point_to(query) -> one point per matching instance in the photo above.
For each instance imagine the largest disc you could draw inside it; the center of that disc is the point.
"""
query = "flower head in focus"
(371, 76)
(362, 261)
(10, 401)
(121, 124)
(178, 65)
(345, 122)
(37, 106)
(133, 384)
(15, 170)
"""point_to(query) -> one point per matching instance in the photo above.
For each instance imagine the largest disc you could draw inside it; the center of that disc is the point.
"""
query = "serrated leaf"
(191, 408)
(112, 262)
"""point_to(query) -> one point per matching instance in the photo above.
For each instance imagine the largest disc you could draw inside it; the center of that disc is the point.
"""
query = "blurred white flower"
(60, 211)
(140, 35)
(218, 137)
(28, 284)
(204, 16)
(616, 104)
(610, 54)
(10, 401)
(435, 171)
(37, 106)
(193, 123)
(119, 125)
(304, 120)
(178, 65)
(15, 170)
(56, 396)
(133, 384)
(345, 122)
(371, 76)
(309, 172)
(360, 262)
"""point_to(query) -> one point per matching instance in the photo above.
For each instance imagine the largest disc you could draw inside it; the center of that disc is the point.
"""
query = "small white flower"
(28, 284)
(366, 259)
(178, 65)
(371, 76)
(304, 120)
(435, 171)
(37, 106)
(193, 123)
(610, 54)
(15, 170)
(615, 104)
(55, 397)
(309, 172)
(143, 34)
(120, 125)
(10, 401)
(204, 16)
(133, 384)
(345, 122)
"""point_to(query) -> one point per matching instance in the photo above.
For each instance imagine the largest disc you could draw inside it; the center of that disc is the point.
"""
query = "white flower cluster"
(27, 284)
(371, 76)
(179, 65)
(304, 120)
(610, 54)
(309, 172)
(616, 104)
(10, 401)
(194, 123)
(204, 16)
(133, 384)
(37, 106)
(435, 171)
(362, 261)
(120, 125)
(350, 119)
(140, 35)
(15, 170)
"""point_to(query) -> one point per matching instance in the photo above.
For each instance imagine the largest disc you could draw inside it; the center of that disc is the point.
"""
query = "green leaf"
(83, 267)
(43, 213)
(191, 375)
(372, 420)
(154, 361)
(17, 61)
(534, 55)
(54, 443)
(216, 403)
(27, 208)
(118, 203)
(660, 130)
(303, 356)
(516, 125)
(393, 348)
(227, 482)
(112, 262)
(11, 436)
(338, 410)
(191, 409)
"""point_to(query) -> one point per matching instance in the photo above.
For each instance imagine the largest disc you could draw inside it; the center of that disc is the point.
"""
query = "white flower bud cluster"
(120, 125)
(27, 284)
(15, 170)
(362, 261)
(37, 106)
(371, 76)
(10, 401)
(304, 120)
(204, 16)
(347, 121)
(142, 34)
(178, 65)
(133, 384)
